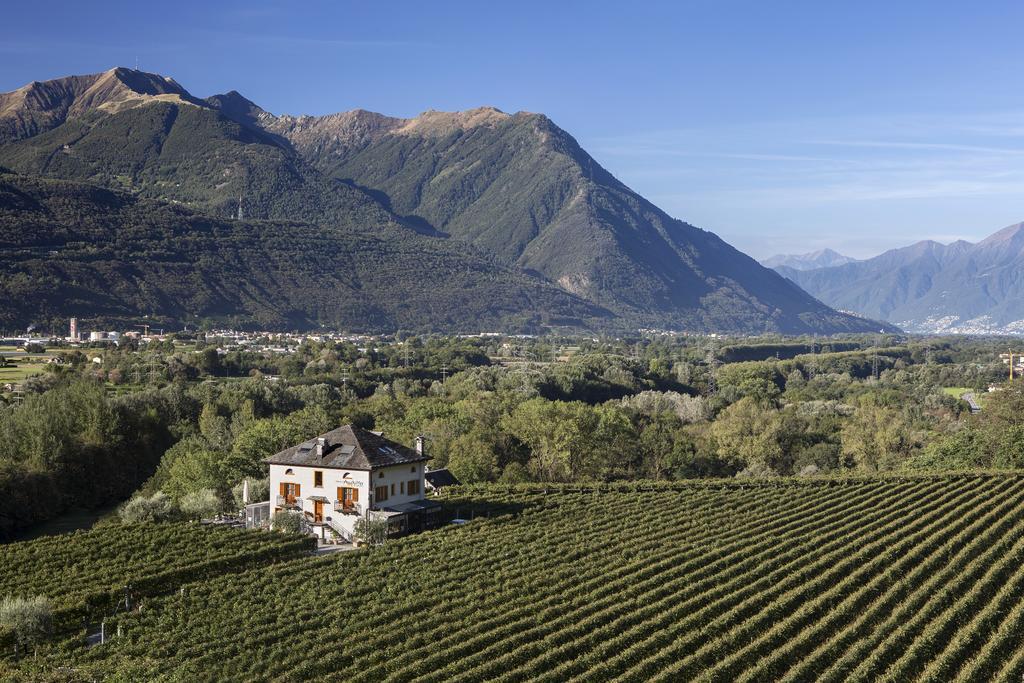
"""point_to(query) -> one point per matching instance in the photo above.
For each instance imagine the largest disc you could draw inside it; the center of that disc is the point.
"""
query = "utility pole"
(444, 372)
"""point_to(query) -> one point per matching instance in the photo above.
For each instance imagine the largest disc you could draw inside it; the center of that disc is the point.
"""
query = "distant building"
(98, 335)
(439, 479)
(348, 473)
(73, 332)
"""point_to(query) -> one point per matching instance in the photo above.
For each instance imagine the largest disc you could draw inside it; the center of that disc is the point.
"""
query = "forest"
(194, 416)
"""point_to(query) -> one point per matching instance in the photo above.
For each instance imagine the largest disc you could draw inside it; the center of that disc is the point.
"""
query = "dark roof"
(441, 477)
(413, 506)
(350, 448)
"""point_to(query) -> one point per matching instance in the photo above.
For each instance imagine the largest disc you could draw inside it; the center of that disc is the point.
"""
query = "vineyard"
(85, 573)
(864, 579)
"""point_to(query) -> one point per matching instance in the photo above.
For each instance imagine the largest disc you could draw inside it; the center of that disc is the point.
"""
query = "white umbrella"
(245, 492)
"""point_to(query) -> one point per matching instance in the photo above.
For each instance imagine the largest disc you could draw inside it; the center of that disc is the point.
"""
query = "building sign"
(347, 480)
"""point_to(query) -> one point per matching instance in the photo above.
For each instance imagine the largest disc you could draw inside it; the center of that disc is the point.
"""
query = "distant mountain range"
(930, 287)
(446, 221)
(823, 258)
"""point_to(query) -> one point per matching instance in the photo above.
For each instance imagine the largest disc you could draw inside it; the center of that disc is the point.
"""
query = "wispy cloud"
(282, 40)
(870, 181)
(929, 146)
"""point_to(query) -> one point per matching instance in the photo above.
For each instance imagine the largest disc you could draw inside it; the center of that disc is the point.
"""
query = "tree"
(259, 490)
(215, 427)
(209, 361)
(371, 530)
(878, 439)
(29, 619)
(157, 508)
(750, 433)
(553, 432)
(286, 521)
(200, 504)
(472, 459)
(192, 468)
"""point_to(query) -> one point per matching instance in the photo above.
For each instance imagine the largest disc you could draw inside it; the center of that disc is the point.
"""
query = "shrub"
(157, 508)
(201, 503)
(29, 619)
(287, 522)
(371, 530)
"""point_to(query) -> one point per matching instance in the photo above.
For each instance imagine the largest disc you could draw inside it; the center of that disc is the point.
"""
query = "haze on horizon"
(784, 129)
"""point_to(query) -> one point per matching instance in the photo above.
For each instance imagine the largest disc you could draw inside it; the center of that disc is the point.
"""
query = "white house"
(348, 473)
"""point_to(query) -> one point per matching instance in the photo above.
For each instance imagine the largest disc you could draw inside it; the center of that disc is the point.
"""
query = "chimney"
(419, 444)
(321, 443)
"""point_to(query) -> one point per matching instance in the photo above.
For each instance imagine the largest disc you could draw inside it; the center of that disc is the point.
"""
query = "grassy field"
(956, 392)
(904, 578)
(20, 370)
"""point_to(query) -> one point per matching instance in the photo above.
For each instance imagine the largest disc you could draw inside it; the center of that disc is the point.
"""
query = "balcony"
(348, 508)
(288, 502)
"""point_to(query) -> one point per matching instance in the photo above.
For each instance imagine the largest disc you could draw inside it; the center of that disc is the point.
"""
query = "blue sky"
(782, 126)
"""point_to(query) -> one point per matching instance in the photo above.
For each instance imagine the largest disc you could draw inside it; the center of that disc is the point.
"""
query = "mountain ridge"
(822, 258)
(514, 186)
(930, 287)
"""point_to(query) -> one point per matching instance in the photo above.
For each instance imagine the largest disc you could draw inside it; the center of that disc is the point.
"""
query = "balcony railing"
(348, 508)
(284, 502)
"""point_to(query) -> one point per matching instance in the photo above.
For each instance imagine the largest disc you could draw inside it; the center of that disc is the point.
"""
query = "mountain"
(518, 186)
(75, 249)
(823, 258)
(514, 189)
(39, 107)
(932, 287)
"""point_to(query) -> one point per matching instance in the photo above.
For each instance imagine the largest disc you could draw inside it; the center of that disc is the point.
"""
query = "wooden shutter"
(355, 495)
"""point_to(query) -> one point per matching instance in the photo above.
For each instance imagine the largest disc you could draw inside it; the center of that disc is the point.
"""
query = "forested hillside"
(490, 188)
(68, 249)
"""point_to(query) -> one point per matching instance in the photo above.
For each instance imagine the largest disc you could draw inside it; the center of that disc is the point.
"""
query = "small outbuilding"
(438, 479)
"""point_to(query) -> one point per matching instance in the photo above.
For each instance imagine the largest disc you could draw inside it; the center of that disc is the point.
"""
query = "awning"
(318, 499)
(414, 506)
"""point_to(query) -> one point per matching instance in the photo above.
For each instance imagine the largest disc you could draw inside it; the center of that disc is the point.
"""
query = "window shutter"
(355, 495)
(284, 489)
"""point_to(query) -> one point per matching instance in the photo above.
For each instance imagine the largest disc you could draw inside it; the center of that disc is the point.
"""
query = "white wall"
(358, 479)
(398, 475)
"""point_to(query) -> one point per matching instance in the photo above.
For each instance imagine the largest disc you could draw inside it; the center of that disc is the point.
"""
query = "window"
(414, 487)
(290, 492)
(413, 468)
(348, 496)
(380, 475)
(289, 471)
(318, 479)
(380, 494)
(392, 489)
(401, 488)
